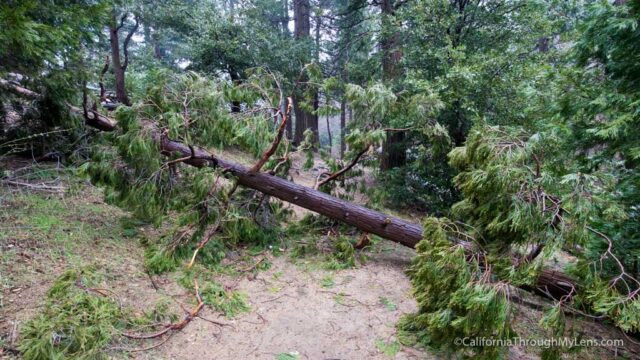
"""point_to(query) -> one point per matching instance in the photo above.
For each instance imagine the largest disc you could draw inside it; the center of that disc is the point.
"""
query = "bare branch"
(122, 19)
(343, 170)
(274, 145)
(125, 45)
(398, 129)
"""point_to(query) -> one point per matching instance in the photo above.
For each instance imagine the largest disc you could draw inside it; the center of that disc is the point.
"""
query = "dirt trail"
(295, 311)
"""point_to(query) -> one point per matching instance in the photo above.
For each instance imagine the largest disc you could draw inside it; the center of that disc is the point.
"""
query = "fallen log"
(398, 230)
(365, 219)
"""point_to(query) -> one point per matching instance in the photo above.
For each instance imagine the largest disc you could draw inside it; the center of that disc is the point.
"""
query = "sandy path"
(345, 321)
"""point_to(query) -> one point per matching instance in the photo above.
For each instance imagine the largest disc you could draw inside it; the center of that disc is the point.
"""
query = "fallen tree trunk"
(367, 220)
(398, 230)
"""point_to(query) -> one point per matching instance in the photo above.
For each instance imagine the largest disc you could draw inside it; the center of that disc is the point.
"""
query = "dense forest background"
(508, 128)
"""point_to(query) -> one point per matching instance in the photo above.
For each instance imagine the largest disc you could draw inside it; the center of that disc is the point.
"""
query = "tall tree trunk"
(151, 38)
(312, 118)
(300, 120)
(118, 70)
(393, 149)
(343, 126)
(389, 42)
(236, 80)
(286, 33)
(120, 67)
(302, 32)
(285, 19)
(288, 126)
(329, 133)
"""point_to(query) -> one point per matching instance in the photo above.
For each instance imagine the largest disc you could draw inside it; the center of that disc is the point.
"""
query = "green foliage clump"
(42, 49)
(191, 109)
(230, 303)
(518, 210)
(343, 255)
(423, 179)
(389, 349)
(158, 260)
(75, 322)
(339, 252)
(455, 299)
(46, 34)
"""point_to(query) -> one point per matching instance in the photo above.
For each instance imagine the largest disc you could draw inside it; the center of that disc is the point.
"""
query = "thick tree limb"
(19, 90)
(33, 186)
(94, 118)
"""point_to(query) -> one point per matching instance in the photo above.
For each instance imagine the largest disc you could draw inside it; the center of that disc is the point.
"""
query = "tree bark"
(285, 18)
(301, 13)
(393, 149)
(343, 126)
(289, 127)
(300, 119)
(236, 80)
(394, 152)
(302, 32)
(120, 67)
(398, 230)
(118, 71)
(389, 42)
(329, 135)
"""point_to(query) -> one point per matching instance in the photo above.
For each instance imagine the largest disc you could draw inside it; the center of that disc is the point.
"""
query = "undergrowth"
(339, 253)
(77, 321)
(227, 301)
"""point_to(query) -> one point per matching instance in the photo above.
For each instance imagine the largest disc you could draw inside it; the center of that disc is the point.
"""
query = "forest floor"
(298, 307)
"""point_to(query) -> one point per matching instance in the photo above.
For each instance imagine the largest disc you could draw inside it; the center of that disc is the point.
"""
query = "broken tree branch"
(122, 19)
(344, 169)
(274, 145)
(19, 90)
(398, 129)
(173, 326)
(33, 186)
